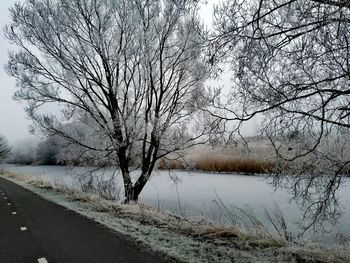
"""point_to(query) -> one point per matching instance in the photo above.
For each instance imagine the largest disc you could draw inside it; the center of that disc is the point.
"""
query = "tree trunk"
(143, 179)
(132, 192)
(124, 167)
(128, 191)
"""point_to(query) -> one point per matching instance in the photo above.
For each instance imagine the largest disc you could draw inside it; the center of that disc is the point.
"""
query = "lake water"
(195, 194)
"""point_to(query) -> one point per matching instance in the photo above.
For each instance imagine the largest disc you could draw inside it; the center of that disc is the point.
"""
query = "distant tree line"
(57, 150)
(4, 148)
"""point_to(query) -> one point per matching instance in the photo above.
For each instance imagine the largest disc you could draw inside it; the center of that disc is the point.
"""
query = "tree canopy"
(130, 71)
(290, 63)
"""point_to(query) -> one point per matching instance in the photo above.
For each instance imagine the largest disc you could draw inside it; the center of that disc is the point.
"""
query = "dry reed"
(220, 163)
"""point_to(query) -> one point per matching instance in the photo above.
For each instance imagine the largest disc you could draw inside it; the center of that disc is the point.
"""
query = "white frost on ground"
(176, 245)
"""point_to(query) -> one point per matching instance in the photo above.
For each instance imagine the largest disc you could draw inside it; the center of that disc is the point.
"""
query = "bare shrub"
(276, 220)
(167, 164)
(99, 183)
(271, 224)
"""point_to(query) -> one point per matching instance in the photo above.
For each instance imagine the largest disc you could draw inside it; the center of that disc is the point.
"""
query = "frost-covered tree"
(132, 68)
(23, 152)
(4, 148)
(47, 151)
(290, 60)
(72, 153)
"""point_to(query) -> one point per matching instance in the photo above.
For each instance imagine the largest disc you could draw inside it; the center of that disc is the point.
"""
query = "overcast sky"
(14, 123)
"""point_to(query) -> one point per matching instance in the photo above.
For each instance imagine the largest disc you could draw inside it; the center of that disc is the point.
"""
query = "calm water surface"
(198, 194)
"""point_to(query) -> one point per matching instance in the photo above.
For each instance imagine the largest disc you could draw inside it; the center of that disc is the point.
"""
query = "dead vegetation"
(237, 165)
(219, 163)
(254, 157)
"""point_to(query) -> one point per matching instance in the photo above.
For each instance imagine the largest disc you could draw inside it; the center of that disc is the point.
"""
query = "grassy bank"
(182, 239)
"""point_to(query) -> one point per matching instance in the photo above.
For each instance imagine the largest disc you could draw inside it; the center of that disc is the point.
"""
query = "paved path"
(35, 230)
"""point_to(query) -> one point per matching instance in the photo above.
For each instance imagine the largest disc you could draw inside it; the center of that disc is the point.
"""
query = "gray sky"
(14, 123)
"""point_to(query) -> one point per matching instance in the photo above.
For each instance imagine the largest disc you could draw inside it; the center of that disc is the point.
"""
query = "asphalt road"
(35, 230)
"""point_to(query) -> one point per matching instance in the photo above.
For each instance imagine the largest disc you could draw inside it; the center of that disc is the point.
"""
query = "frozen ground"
(184, 240)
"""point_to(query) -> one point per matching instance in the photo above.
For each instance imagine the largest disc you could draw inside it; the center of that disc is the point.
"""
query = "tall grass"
(220, 163)
(232, 164)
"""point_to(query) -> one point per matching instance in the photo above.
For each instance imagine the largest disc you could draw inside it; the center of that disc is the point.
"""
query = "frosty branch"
(291, 65)
(128, 71)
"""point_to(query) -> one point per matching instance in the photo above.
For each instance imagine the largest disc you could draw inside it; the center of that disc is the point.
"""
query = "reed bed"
(220, 163)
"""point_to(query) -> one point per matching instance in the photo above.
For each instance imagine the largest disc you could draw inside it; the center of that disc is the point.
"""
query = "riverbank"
(182, 239)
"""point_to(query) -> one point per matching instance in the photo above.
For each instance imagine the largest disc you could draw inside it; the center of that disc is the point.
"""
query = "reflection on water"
(197, 194)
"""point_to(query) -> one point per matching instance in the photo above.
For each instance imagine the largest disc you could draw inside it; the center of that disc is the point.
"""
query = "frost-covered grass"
(181, 239)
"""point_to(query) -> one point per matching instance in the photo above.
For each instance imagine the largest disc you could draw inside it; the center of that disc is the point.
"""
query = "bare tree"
(290, 60)
(129, 70)
(4, 148)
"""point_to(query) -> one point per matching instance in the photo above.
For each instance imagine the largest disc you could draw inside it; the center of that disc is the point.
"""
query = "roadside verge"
(180, 238)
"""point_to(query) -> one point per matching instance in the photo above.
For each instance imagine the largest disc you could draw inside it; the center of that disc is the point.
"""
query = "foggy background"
(14, 123)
